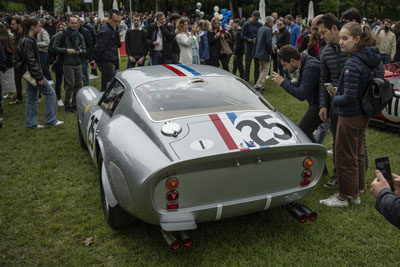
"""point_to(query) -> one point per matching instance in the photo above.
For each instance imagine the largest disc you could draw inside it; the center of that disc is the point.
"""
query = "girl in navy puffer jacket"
(352, 123)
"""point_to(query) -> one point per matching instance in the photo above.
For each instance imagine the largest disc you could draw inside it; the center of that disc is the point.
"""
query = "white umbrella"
(115, 5)
(68, 10)
(101, 11)
(310, 11)
(261, 8)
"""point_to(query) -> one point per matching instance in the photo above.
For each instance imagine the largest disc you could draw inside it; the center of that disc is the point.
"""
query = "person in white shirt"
(186, 40)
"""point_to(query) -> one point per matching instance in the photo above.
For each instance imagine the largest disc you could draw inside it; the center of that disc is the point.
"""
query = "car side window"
(111, 97)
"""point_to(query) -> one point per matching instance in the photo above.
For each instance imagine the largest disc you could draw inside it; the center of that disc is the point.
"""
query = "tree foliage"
(368, 8)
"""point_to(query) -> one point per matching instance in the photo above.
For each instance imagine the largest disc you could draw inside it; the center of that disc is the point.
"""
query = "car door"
(104, 112)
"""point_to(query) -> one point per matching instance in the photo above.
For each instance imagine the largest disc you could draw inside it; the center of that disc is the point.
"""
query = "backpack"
(377, 96)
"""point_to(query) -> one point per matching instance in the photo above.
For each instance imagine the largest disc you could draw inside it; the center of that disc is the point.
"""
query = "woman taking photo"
(352, 123)
(185, 40)
(218, 45)
(29, 53)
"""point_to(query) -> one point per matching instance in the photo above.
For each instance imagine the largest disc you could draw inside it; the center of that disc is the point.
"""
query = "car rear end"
(234, 184)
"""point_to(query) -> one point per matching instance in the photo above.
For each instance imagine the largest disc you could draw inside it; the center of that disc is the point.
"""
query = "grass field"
(50, 204)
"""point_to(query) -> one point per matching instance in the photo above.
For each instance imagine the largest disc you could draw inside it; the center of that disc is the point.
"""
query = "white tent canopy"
(261, 9)
(310, 11)
(115, 5)
(101, 11)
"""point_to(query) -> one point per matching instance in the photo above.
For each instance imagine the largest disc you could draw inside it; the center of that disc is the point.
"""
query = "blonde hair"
(364, 32)
(212, 21)
(180, 23)
(204, 25)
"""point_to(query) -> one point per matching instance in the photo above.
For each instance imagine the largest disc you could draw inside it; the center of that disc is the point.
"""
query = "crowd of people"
(300, 56)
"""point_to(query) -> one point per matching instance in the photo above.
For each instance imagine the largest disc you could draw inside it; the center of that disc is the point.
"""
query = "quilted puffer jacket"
(358, 71)
(332, 62)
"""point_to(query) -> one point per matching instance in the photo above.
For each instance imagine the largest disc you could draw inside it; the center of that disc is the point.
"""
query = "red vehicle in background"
(389, 118)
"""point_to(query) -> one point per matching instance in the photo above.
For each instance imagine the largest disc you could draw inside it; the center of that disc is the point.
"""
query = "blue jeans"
(45, 68)
(158, 59)
(31, 113)
(85, 72)
(385, 58)
(133, 64)
(322, 130)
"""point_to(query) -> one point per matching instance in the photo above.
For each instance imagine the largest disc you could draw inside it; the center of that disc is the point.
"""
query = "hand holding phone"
(330, 88)
(383, 165)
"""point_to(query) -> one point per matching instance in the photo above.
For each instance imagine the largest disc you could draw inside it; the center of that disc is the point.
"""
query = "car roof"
(139, 75)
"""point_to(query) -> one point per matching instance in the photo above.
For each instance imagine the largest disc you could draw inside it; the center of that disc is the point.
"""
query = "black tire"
(116, 216)
(81, 140)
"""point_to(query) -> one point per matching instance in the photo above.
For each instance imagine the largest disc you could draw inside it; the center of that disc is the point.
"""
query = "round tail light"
(307, 174)
(172, 183)
(172, 195)
(308, 162)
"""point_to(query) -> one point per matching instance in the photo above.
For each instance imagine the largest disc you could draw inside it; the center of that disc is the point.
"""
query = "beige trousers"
(264, 66)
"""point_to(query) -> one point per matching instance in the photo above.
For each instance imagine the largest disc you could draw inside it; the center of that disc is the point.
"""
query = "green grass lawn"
(50, 204)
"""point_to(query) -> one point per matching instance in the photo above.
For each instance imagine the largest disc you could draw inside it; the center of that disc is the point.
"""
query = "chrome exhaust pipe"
(186, 239)
(312, 215)
(172, 241)
(296, 213)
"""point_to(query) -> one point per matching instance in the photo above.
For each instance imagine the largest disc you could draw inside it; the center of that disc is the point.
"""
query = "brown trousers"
(350, 154)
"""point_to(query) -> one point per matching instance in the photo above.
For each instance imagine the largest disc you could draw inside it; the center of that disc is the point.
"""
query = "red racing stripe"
(230, 143)
(175, 70)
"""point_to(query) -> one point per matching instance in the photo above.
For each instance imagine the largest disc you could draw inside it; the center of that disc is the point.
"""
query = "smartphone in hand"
(382, 164)
(329, 87)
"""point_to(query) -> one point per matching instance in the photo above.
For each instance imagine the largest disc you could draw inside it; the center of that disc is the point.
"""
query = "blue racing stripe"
(264, 146)
(192, 71)
(232, 116)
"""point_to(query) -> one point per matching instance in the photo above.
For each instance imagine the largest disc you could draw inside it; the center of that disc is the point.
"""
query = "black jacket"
(306, 87)
(354, 81)
(283, 38)
(135, 42)
(332, 62)
(89, 43)
(30, 60)
(93, 33)
(168, 37)
(214, 44)
(2, 59)
(239, 43)
(388, 204)
(107, 44)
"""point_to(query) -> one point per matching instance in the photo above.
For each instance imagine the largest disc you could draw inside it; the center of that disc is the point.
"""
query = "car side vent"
(197, 81)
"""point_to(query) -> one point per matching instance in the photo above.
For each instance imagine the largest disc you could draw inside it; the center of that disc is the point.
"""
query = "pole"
(130, 11)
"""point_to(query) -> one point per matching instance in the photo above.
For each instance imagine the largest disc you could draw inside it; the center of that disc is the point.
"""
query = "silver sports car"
(178, 145)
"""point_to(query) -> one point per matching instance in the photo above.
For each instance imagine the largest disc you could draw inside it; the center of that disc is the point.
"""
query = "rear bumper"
(187, 219)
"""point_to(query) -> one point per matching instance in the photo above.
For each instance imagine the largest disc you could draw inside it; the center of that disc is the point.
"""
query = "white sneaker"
(267, 77)
(334, 201)
(330, 152)
(58, 123)
(294, 80)
(51, 82)
(92, 76)
(60, 103)
(355, 200)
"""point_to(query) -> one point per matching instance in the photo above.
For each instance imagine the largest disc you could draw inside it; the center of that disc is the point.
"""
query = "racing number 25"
(255, 128)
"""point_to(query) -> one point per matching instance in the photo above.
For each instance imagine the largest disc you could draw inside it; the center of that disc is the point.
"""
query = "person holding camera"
(71, 45)
(387, 201)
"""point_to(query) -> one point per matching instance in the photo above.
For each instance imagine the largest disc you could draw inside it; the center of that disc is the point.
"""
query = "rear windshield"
(167, 99)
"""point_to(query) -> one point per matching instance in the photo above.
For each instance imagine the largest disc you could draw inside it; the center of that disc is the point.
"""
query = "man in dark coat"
(305, 88)
(159, 38)
(263, 51)
(105, 52)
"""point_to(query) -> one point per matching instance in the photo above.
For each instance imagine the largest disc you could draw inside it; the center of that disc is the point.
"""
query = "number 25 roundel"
(263, 129)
